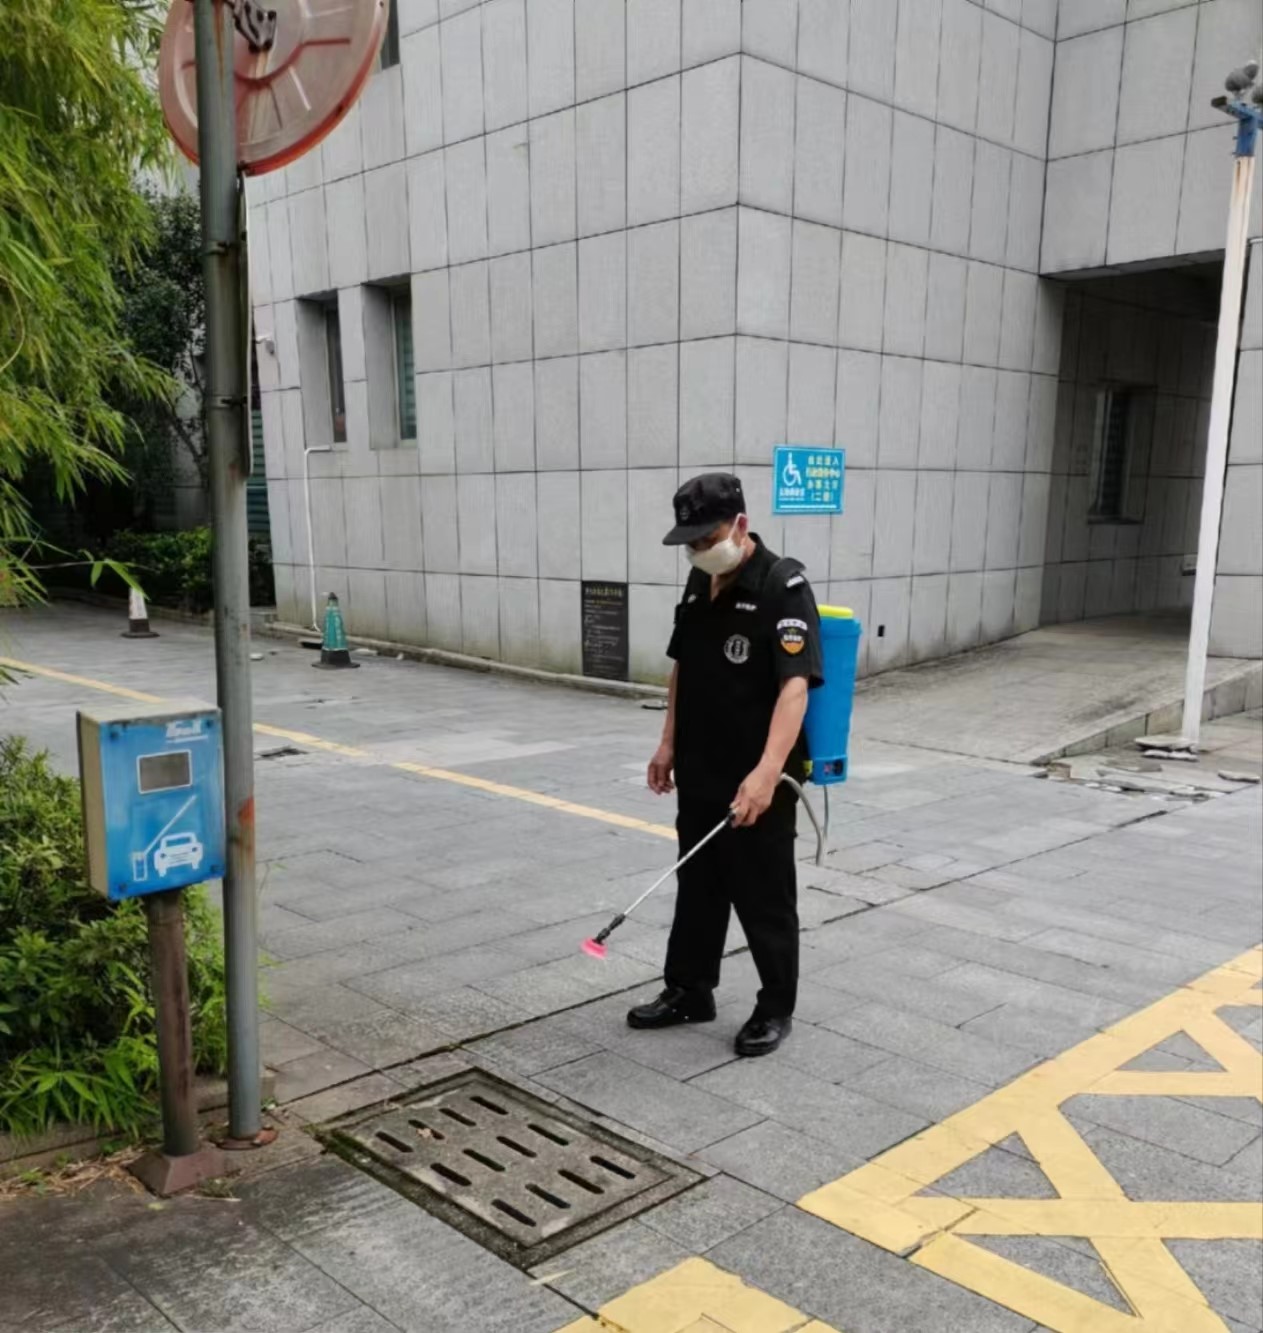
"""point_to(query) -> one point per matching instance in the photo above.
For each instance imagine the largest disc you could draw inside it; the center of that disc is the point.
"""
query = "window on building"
(390, 364)
(1111, 455)
(405, 366)
(389, 53)
(337, 387)
(257, 485)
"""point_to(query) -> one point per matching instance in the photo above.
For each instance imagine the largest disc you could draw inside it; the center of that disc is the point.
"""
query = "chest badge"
(737, 650)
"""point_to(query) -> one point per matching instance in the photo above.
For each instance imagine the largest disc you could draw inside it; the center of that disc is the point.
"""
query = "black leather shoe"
(674, 1006)
(761, 1036)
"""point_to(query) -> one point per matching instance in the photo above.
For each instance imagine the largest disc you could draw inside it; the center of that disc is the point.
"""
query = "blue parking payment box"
(153, 796)
(807, 480)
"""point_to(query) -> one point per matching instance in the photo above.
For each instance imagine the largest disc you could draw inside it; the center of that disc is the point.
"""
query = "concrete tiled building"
(564, 253)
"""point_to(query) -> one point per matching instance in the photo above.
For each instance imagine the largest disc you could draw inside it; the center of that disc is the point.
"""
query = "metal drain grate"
(532, 1179)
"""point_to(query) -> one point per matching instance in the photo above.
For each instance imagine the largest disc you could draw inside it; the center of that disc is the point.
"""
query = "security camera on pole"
(245, 89)
(1245, 104)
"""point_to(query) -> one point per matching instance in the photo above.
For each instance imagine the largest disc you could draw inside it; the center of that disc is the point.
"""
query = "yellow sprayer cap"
(836, 612)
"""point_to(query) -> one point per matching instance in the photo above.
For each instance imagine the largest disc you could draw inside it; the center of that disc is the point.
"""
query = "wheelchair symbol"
(790, 475)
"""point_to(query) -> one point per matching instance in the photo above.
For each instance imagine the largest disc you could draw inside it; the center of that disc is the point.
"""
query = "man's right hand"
(660, 767)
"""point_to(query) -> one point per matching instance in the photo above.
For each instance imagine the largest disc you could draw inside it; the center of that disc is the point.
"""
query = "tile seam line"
(486, 785)
(360, 1302)
(150, 1301)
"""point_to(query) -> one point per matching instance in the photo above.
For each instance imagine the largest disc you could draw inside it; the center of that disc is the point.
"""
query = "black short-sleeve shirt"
(733, 654)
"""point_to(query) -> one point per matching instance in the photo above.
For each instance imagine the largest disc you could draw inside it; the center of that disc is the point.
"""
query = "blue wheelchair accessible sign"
(807, 480)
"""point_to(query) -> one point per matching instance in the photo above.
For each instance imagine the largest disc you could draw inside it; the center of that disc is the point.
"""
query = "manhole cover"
(521, 1176)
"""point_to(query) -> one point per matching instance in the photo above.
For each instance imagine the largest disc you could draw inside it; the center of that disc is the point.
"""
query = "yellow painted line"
(85, 681)
(1123, 1219)
(1062, 1307)
(537, 798)
(884, 1201)
(1186, 1083)
(468, 780)
(311, 742)
(697, 1297)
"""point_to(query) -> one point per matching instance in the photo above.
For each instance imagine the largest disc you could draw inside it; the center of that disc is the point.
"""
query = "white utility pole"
(1245, 103)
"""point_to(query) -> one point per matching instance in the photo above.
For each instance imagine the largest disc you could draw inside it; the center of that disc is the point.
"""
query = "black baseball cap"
(702, 504)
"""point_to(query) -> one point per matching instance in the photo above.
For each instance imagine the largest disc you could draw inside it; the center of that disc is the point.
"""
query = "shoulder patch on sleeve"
(795, 581)
(792, 635)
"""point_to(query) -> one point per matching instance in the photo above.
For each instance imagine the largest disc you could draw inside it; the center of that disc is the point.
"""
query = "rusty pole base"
(164, 1175)
(260, 1140)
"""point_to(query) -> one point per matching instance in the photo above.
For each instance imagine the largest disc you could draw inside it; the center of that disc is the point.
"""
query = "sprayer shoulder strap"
(785, 574)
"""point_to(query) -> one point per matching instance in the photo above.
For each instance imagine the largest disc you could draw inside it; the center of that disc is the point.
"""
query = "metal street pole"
(169, 970)
(225, 422)
(1248, 121)
(183, 1160)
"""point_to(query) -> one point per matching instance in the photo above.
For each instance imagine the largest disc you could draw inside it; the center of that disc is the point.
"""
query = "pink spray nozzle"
(593, 949)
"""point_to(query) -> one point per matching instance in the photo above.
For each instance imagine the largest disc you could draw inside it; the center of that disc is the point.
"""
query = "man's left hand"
(754, 796)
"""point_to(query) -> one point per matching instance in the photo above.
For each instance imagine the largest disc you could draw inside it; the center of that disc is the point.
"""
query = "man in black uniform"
(746, 649)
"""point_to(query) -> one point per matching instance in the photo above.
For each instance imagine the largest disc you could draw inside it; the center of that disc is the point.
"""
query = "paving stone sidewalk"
(969, 922)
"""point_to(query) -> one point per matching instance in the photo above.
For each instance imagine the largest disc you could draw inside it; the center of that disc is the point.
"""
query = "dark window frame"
(405, 364)
(333, 368)
(388, 55)
(1112, 454)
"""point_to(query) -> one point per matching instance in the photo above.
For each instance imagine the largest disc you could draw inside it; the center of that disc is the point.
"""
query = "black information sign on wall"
(605, 638)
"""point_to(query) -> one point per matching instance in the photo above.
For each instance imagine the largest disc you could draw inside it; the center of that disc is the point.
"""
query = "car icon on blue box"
(178, 849)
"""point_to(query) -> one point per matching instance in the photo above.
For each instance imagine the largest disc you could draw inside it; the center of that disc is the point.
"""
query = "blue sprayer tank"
(828, 721)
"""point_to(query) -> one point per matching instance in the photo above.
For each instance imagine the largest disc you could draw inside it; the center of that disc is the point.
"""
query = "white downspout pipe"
(308, 450)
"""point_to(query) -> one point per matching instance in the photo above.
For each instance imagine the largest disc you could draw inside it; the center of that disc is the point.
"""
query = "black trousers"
(749, 870)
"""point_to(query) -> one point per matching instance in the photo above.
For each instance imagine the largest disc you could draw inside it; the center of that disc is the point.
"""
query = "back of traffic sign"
(298, 67)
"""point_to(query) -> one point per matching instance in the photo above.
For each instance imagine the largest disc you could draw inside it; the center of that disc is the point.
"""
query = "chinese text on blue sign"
(807, 480)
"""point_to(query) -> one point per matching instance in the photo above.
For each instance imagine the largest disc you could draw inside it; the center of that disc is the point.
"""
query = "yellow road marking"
(86, 681)
(883, 1202)
(1122, 1219)
(697, 1297)
(491, 788)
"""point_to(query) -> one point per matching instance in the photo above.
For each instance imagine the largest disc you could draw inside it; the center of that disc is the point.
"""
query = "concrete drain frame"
(524, 1178)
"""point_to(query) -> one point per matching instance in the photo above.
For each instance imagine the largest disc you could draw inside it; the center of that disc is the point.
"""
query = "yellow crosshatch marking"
(697, 1297)
(884, 1202)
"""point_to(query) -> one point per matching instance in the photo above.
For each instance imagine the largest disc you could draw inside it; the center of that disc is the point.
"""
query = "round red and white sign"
(290, 95)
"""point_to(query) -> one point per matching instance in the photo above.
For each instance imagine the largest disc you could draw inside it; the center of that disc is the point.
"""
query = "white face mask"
(723, 557)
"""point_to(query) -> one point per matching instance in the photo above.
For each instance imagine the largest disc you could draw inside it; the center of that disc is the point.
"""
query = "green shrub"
(76, 1014)
(174, 568)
